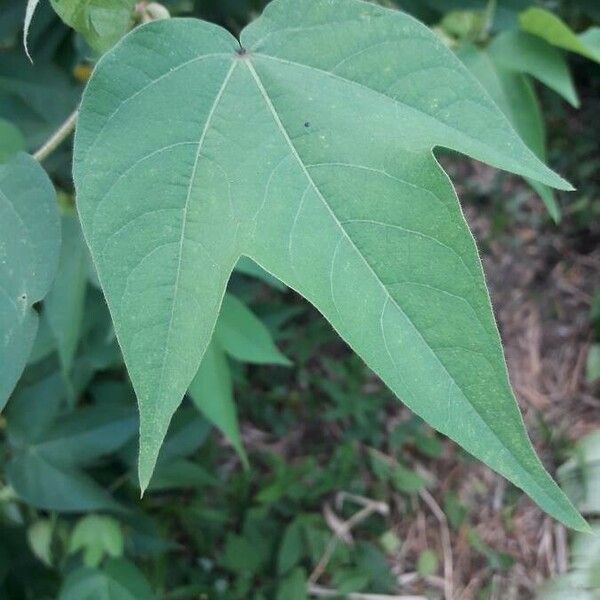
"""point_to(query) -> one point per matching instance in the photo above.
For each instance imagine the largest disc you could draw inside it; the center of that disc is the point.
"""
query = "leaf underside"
(310, 151)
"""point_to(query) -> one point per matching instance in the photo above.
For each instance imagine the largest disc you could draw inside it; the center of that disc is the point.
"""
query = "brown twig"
(343, 528)
(438, 513)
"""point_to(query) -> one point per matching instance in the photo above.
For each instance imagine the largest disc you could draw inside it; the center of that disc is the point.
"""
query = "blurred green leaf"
(428, 444)
(294, 586)
(212, 392)
(242, 335)
(525, 53)
(464, 24)
(97, 536)
(181, 473)
(44, 343)
(291, 548)
(515, 96)
(592, 365)
(101, 22)
(427, 563)
(64, 303)
(29, 249)
(118, 580)
(36, 98)
(390, 542)
(402, 478)
(187, 433)
(247, 266)
(39, 536)
(454, 509)
(555, 31)
(580, 475)
(46, 465)
(406, 480)
(582, 581)
(350, 580)
(11, 140)
(242, 556)
(496, 560)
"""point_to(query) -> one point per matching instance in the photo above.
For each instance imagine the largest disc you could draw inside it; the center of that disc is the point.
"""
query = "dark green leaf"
(212, 392)
(101, 22)
(118, 580)
(294, 586)
(524, 53)
(11, 140)
(515, 96)
(64, 303)
(29, 247)
(544, 24)
(242, 335)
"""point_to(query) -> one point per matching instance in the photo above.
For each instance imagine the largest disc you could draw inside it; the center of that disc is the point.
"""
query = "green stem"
(57, 138)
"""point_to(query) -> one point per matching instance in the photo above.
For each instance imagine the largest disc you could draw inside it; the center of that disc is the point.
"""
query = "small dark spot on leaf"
(307, 124)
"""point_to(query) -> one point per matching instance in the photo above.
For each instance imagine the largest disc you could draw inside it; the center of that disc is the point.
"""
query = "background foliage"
(324, 440)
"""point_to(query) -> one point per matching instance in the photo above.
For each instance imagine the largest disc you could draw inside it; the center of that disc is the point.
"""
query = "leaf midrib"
(205, 129)
(419, 112)
(388, 295)
(234, 61)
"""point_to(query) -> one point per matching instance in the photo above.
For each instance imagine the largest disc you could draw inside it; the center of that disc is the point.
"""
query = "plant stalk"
(57, 138)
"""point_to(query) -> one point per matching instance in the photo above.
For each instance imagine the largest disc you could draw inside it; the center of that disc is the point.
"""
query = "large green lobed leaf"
(310, 151)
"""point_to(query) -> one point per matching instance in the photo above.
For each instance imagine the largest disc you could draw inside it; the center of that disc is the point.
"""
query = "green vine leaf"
(309, 149)
(555, 31)
(524, 53)
(64, 304)
(211, 391)
(243, 335)
(29, 250)
(101, 22)
(514, 94)
(117, 580)
(11, 140)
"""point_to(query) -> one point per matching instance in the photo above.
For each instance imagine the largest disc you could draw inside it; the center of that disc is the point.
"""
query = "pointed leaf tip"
(29, 11)
(328, 203)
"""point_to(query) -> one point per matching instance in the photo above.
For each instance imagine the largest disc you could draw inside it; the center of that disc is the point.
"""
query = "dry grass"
(541, 286)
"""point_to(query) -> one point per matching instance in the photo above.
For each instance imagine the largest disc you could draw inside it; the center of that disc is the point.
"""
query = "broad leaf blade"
(29, 247)
(178, 237)
(310, 152)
